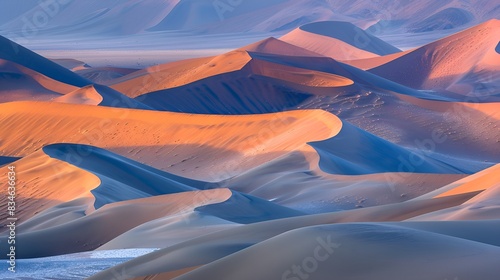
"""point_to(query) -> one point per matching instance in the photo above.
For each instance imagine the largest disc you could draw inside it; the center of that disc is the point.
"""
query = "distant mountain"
(125, 17)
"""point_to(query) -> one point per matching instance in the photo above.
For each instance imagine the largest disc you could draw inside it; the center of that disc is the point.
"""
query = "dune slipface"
(280, 139)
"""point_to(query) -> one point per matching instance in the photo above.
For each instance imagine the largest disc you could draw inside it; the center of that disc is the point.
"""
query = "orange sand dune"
(467, 55)
(297, 75)
(177, 74)
(86, 95)
(276, 46)
(193, 145)
(41, 180)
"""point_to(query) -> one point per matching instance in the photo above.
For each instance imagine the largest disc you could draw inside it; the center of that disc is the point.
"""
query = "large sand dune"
(338, 40)
(161, 139)
(461, 63)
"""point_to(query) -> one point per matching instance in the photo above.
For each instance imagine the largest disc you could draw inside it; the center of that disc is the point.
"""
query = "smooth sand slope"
(208, 248)
(353, 251)
(296, 180)
(338, 40)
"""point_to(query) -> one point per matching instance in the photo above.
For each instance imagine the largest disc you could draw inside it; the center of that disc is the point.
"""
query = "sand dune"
(20, 55)
(297, 181)
(372, 62)
(459, 63)
(103, 75)
(41, 179)
(261, 86)
(270, 83)
(338, 40)
(122, 184)
(355, 152)
(71, 64)
(86, 95)
(208, 248)
(21, 83)
(99, 75)
(168, 141)
(94, 229)
(484, 206)
(176, 74)
(100, 95)
(340, 245)
(276, 46)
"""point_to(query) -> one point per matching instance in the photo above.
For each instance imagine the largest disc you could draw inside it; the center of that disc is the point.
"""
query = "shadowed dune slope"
(18, 54)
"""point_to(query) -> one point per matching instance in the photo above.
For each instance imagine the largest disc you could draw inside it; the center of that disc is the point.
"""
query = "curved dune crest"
(242, 61)
(179, 73)
(276, 46)
(168, 141)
